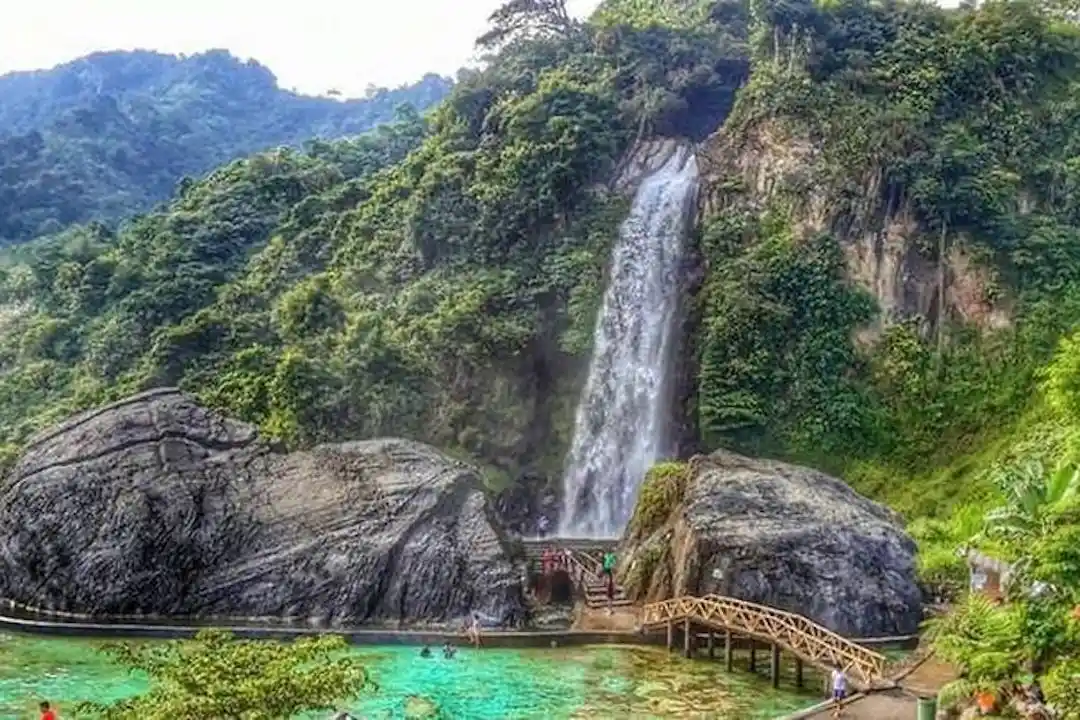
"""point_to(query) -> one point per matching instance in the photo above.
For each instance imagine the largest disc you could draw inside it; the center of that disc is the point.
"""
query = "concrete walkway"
(925, 680)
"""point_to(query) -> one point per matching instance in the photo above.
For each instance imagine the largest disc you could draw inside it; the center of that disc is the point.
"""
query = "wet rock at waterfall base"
(781, 535)
(529, 506)
(156, 505)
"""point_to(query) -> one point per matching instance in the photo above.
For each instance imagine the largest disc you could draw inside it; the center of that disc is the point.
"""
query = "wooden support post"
(774, 666)
(753, 656)
(670, 635)
(798, 673)
(727, 650)
(712, 644)
(688, 639)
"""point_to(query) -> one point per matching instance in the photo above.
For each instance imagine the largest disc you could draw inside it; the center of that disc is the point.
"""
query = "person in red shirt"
(46, 711)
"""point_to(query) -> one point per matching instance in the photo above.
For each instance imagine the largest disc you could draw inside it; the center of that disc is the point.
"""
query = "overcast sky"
(311, 45)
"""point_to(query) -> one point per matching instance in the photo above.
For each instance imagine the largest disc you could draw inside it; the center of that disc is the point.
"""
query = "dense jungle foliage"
(112, 133)
(965, 119)
(439, 277)
(966, 122)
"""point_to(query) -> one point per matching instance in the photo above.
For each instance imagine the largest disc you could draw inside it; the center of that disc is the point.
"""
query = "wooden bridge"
(802, 637)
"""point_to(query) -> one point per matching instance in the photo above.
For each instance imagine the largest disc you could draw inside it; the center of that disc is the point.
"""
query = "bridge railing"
(799, 634)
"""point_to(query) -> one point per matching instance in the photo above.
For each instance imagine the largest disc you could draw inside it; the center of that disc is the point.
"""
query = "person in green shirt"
(609, 574)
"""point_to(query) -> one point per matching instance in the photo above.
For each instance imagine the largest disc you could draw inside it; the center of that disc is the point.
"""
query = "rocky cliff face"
(781, 535)
(887, 252)
(156, 505)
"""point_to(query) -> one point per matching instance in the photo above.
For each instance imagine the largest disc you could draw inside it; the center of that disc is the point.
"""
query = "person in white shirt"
(839, 690)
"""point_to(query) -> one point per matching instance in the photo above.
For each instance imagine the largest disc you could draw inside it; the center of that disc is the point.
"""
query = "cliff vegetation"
(435, 279)
(891, 294)
(889, 249)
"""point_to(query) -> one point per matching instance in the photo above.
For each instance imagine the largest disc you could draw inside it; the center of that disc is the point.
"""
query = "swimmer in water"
(426, 652)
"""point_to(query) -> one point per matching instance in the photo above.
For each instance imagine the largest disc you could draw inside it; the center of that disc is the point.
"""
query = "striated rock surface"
(886, 251)
(157, 505)
(644, 159)
(780, 535)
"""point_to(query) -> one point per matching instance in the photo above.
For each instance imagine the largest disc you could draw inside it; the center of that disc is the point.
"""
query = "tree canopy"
(438, 277)
(113, 133)
(217, 676)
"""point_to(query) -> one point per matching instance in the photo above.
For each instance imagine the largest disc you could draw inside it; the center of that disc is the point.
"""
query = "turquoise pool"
(557, 684)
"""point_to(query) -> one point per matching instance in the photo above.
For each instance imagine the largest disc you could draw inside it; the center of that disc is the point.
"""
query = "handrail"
(800, 635)
(586, 566)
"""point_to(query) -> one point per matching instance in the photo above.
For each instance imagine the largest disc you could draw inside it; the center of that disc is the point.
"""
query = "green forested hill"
(890, 247)
(440, 279)
(112, 133)
(344, 291)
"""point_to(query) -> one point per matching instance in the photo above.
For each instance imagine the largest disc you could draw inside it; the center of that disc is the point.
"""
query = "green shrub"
(1062, 687)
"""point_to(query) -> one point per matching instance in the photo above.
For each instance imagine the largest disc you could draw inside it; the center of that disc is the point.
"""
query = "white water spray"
(622, 417)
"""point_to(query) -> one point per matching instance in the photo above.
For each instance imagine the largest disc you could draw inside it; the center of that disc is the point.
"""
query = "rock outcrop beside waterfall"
(780, 535)
(746, 166)
(156, 505)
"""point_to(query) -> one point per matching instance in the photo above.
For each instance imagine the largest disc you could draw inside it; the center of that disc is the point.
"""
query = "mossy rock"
(661, 493)
(418, 707)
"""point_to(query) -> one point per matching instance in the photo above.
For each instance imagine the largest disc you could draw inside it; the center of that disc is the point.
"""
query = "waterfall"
(622, 416)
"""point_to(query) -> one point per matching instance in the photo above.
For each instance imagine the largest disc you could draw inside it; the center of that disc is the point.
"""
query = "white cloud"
(312, 45)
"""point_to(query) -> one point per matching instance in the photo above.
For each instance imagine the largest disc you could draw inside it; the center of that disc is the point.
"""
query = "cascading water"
(622, 417)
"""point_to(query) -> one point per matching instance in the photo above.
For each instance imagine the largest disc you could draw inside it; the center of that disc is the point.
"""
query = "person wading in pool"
(46, 711)
(474, 630)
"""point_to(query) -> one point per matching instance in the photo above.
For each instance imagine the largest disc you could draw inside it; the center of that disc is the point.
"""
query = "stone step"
(619, 593)
(625, 602)
(603, 598)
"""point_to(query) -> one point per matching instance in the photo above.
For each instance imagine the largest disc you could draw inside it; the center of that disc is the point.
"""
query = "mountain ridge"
(112, 133)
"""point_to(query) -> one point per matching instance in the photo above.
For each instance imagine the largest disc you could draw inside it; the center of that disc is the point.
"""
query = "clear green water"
(590, 683)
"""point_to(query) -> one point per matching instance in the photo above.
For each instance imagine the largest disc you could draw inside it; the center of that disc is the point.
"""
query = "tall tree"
(518, 19)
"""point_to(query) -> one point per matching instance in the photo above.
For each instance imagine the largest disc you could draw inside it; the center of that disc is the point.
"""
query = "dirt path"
(929, 677)
(893, 705)
(623, 619)
(924, 681)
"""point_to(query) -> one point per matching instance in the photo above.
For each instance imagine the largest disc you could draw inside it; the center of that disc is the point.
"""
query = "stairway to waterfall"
(586, 566)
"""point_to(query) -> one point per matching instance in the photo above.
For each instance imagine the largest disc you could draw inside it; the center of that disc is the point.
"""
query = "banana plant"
(1032, 497)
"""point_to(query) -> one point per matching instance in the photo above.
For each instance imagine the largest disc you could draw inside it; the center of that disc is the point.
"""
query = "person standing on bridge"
(839, 690)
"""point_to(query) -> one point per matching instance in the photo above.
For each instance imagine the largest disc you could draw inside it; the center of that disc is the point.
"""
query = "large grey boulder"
(780, 535)
(156, 505)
